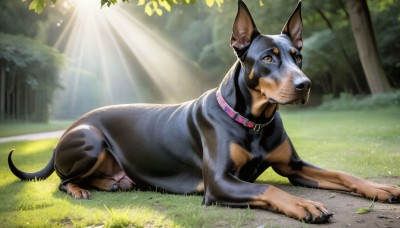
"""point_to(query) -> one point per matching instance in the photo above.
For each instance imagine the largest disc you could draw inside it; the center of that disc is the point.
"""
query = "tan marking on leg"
(99, 162)
(292, 51)
(200, 187)
(102, 184)
(107, 172)
(239, 155)
(281, 154)
(335, 180)
(288, 204)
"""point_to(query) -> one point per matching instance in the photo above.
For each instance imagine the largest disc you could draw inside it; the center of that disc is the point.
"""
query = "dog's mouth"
(295, 102)
(285, 97)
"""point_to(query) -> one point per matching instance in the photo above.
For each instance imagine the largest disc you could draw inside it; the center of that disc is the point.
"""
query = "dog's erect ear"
(294, 27)
(244, 29)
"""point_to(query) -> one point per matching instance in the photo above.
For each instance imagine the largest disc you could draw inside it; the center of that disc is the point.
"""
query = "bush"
(358, 102)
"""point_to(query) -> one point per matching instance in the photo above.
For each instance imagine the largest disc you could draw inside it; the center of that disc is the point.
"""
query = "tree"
(361, 25)
(331, 41)
(150, 6)
(28, 77)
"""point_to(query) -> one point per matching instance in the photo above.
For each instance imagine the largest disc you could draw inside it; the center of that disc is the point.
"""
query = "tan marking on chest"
(239, 155)
(260, 104)
(292, 51)
(281, 154)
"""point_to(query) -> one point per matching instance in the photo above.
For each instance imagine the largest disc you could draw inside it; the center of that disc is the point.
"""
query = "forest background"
(32, 82)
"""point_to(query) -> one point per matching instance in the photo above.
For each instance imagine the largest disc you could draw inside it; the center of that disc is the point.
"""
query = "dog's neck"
(250, 103)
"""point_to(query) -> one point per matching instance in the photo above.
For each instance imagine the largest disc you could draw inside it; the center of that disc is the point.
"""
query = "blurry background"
(74, 56)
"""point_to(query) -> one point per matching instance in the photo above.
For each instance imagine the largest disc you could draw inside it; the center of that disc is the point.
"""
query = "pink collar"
(237, 117)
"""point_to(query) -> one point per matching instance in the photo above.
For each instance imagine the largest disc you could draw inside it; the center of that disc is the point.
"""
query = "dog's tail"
(39, 175)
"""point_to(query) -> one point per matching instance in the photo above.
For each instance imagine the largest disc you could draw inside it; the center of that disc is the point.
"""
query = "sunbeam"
(114, 58)
(87, 6)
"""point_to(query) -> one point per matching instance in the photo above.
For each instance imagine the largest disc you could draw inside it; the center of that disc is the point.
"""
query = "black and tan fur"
(195, 147)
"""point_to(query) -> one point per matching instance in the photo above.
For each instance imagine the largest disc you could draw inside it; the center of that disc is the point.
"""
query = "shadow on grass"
(142, 208)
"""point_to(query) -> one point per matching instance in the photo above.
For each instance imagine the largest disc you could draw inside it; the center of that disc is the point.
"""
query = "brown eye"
(268, 59)
(298, 58)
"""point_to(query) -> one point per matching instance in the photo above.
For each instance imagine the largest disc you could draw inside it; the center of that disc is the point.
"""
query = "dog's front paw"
(392, 193)
(380, 192)
(302, 209)
(81, 194)
(312, 212)
(77, 192)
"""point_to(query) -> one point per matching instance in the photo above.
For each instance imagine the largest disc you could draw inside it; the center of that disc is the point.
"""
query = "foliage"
(358, 102)
(365, 210)
(20, 51)
(150, 6)
(330, 56)
(16, 19)
(38, 5)
(30, 69)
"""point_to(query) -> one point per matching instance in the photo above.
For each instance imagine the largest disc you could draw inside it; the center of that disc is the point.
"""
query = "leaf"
(219, 2)
(37, 5)
(165, 4)
(159, 12)
(368, 209)
(148, 10)
(209, 3)
(141, 2)
(261, 3)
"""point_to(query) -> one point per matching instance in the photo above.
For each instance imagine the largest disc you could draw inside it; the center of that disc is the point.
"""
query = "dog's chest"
(258, 146)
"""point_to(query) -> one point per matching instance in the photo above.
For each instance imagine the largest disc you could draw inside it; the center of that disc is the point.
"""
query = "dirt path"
(342, 204)
(32, 137)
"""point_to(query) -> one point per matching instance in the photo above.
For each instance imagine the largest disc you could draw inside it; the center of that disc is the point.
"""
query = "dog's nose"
(302, 83)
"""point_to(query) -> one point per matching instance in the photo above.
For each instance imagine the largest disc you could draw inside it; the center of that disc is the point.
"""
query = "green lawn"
(363, 143)
(20, 128)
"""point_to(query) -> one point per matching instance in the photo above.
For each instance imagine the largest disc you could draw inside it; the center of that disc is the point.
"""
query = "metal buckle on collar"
(257, 127)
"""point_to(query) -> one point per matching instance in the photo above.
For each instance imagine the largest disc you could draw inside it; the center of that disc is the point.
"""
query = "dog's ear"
(244, 29)
(294, 27)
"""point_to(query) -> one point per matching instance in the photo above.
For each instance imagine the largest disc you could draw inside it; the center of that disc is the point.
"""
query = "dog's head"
(271, 63)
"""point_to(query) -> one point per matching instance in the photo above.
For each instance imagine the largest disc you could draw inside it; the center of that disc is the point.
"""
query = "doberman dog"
(216, 145)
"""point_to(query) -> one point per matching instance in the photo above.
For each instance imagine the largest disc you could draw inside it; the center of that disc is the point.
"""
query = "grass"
(348, 101)
(366, 144)
(19, 128)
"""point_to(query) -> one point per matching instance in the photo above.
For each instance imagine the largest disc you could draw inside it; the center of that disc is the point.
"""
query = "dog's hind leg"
(80, 152)
(108, 176)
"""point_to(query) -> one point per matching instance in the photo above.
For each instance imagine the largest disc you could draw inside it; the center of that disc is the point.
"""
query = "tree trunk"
(361, 26)
(3, 93)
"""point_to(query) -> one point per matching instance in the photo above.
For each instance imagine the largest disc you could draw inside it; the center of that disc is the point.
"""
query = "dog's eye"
(298, 58)
(268, 59)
